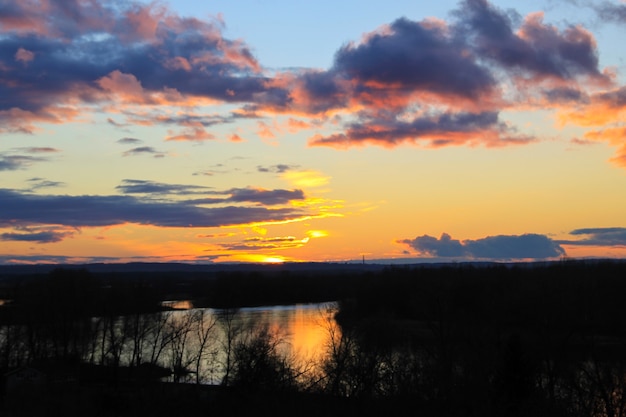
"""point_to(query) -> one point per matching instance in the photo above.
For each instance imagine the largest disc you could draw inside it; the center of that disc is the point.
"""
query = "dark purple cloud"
(565, 95)
(261, 196)
(408, 58)
(444, 246)
(252, 195)
(601, 236)
(53, 260)
(87, 210)
(503, 247)
(37, 237)
(534, 48)
(59, 53)
(614, 99)
(229, 196)
(434, 130)
(130, 186)
(414, 56)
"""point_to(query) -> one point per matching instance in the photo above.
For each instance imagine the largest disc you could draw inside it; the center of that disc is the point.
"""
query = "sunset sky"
(270, 131)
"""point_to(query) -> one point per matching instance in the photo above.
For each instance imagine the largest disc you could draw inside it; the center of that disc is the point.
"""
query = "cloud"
(263, 196)
(502, 247)
(439, 130)
(277, 169)
(235, 138)
(306, 178)
(60, 58)
(130, 186)
(36, 150)
(143, 150)
(429, 82)
(39, 183)
(261, 243)
(607, 236)
(129, 141)
(39, 237)
(54, 260)
(252, 195)
(605, 110)
(445, 83)
(533, 50)
(24, 209)
(414, 56)
(15, 162)
(185, 119)
(196, 134)
(24, 56)
(14, 159)
(445, 246)
(611, 12)
(394, 67)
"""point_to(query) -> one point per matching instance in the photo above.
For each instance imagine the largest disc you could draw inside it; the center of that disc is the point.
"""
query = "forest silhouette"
(522, 339)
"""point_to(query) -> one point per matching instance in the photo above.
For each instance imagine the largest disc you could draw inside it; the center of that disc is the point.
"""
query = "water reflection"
(178, 304)
(302, 330)
(303, 327)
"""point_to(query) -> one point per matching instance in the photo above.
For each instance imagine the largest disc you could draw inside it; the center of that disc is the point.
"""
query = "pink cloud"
(235, 138)
(196, 134)
(24, 56)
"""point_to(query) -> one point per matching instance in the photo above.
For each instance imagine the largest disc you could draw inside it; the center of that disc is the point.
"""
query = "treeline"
(546, 340)
(455, 340)
(216, 288)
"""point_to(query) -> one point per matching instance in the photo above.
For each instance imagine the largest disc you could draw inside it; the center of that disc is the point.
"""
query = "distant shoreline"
(355, 266)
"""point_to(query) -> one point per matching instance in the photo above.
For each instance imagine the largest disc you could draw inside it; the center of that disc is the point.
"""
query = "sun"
(273, 260)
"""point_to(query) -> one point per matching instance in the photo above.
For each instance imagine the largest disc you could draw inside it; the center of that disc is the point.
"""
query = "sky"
(257, 131)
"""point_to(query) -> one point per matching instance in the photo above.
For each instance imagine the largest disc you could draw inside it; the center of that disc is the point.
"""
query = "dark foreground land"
(427, 340)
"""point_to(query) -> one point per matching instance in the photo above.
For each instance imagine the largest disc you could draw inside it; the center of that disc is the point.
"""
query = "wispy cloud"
(265, 243)
(145, 150)
(21, 158)
(600, 236)
(252, 195)
(39, 183)
(37, 237)
(131, 186)
(129, 141)
(277, 169)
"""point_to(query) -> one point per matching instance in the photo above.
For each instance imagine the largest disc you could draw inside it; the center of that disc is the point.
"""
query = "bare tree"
(205, 326)
(232, 327)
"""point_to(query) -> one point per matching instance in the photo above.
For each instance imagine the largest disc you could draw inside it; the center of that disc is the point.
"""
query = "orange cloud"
(195, 134)
(235, 138)
(23, 121)
(295, 125)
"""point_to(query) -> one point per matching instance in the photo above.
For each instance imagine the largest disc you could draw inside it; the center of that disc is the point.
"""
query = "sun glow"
(274, 259)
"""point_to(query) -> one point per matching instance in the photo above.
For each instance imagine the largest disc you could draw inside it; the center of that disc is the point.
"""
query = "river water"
(302, 330)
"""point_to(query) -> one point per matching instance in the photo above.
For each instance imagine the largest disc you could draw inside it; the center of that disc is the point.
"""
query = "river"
(302, 331)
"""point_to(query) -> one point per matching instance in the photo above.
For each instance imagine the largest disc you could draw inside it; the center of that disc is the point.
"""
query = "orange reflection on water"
(308, 329)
